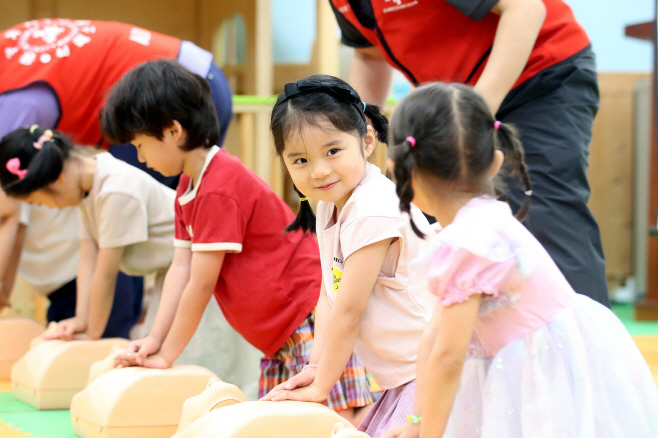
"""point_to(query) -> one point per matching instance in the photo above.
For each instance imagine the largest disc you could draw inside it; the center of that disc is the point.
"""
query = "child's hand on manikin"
(137, 351)
(305, 378)
(67, 329)
(310, 393)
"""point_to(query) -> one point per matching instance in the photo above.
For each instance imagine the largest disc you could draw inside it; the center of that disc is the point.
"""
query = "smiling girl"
(325, 134)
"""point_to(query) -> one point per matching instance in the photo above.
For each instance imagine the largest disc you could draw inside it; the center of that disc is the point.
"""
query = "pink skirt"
(390, 411)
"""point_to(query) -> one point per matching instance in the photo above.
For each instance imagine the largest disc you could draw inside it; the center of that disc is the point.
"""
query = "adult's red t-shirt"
(450, 40)
(80, 60)
(270, 280)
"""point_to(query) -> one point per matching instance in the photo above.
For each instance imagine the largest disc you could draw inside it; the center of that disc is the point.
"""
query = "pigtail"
(305, 219)
(512, 147)
(38, 156)
(379, 121)
(404, 164)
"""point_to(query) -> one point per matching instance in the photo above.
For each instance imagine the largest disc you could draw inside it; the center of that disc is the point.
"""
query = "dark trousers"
(554, 112)
(221, 96)
(126, 308)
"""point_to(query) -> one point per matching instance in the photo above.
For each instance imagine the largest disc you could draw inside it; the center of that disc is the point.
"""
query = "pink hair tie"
(46, 136)
(412, 141)
(497, 125)
(14, 167)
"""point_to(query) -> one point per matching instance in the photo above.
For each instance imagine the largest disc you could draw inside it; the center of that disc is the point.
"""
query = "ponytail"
(378, 120)
(38, 155)
(305, 219)
(510, 143)
(404, 164)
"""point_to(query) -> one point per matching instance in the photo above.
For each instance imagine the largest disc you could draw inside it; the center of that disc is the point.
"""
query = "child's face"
(327, 164)
(164, 155)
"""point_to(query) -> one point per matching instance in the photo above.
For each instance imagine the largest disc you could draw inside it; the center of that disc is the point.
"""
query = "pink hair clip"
(411, 140)
(14, 167)
(46, 136)
(497, 125)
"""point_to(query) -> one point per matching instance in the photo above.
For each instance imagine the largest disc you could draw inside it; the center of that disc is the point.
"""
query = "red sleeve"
(181, 236)
(220, 223)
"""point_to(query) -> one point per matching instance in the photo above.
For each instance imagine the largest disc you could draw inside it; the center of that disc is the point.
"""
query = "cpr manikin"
(135, 402)
(52, 372)
(222, 412)
(15, 337)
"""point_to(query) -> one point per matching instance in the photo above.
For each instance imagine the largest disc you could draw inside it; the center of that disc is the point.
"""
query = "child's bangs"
(298, 120)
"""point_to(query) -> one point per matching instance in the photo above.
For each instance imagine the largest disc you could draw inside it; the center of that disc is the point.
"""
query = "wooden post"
(326, 39)
(264, 82)
(647, 309)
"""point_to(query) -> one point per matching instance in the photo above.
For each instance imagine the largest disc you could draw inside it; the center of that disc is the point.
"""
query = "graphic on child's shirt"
(337, 275)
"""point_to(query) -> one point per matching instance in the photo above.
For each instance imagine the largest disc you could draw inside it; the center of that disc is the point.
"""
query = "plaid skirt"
(351, 391)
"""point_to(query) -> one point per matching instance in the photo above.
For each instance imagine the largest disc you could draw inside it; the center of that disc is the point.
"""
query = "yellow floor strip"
(648, 345)
(7, 430)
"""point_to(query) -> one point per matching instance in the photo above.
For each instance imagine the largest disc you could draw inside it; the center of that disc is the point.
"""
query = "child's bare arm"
(86, 267)
(102, 289)
(177, 277)
(444, 365)
(359, 276)
(175, 281)
(9, 245)
(322, 312)
(204, 272)
(441, 356)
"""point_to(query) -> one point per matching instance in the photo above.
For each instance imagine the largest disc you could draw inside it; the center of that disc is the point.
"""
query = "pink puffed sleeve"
(456, 273)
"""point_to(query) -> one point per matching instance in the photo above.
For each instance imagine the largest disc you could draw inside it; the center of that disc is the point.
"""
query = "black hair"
(43, 165)
(455, 135)
(151, 96)
(315, 100)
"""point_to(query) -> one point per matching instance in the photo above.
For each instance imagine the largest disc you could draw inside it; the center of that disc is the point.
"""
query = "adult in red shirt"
(534, 65)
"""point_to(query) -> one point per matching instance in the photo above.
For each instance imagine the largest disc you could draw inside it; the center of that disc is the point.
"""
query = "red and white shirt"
(270, 280)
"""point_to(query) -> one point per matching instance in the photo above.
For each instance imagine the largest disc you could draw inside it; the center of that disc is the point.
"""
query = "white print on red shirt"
(44, 40)
(399, 5)
(140, 36)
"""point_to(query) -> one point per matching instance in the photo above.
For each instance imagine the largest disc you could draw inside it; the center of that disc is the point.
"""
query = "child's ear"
(175, 131)
(370, 141)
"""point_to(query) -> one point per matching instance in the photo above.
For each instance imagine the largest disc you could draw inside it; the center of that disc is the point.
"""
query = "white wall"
(604, 21)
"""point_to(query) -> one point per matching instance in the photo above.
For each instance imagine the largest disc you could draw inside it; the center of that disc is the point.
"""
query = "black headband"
(341, 91)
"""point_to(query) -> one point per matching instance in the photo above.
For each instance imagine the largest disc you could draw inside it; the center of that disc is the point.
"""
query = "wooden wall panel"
(14, 12)
(611, 172)
(172, 17)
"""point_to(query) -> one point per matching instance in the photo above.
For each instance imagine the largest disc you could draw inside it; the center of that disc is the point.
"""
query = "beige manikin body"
(52, 372)
(15, 337)
(135, 402)
(221, 411)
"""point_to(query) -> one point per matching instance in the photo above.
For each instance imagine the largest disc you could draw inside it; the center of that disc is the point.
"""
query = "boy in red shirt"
(229, 237)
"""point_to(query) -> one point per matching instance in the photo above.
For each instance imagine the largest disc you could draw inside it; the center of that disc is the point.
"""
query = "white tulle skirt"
(579, 376)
